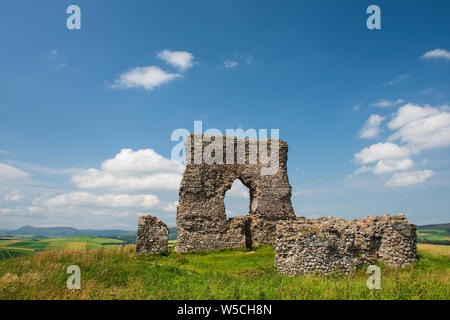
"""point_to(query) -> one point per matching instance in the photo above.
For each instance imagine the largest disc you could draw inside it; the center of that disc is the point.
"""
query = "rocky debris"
(201, 218)
(305, 246)
(152, 236)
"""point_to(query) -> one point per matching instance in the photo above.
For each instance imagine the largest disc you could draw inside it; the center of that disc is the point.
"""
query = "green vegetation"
(225, 274)
(15, 246)
(436, 236)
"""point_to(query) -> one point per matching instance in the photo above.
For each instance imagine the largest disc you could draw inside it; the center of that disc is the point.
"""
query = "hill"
(443, 226)
(63, 232)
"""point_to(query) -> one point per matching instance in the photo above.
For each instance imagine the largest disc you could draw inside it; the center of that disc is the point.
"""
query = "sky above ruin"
(86, 116)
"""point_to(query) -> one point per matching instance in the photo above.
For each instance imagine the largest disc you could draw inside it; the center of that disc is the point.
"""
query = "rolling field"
(12, 247)
(224, 274)
(435, 235)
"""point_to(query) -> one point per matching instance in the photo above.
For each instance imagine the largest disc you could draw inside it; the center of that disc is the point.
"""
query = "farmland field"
(16, 246)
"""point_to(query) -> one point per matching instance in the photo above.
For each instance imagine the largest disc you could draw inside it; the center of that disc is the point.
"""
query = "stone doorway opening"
(238, 203)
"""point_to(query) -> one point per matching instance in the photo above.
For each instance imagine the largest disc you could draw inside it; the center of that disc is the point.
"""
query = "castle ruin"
(302, 245)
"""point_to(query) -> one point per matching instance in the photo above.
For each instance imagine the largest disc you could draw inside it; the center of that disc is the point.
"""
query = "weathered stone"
(334, 244)
(201, 218)
(152, 236)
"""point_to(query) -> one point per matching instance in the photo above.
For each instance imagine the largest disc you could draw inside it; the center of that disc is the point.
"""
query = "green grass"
(223, 274)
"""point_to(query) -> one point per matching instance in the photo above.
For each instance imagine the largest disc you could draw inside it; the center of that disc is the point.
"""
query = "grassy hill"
(226, 274)
(442, 226)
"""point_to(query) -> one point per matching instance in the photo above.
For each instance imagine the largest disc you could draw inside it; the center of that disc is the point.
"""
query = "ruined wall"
(334, 244)
(152, 236)
(201, 218)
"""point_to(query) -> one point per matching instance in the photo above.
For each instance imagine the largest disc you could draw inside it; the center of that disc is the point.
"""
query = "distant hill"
(442, 226)
(66, 232)
(63, 232)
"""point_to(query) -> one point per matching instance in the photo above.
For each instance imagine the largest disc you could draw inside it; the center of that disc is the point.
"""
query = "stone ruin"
(201, 220)
(302, 246)
(152, 236)
(329, 244)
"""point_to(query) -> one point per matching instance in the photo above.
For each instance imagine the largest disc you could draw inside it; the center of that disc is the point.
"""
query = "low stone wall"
(305, 246)
(152, 236)
(225, 234)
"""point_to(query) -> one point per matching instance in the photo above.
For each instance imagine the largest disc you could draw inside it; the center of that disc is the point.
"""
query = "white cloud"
(437, 54)
(171, 207)
(10, 172)
(418, 129)
(133, 170)
(397, 79)
(93, 178)
(182, 60)
(381, 151)
(356, 107)
(388, 166)
(387, 103)
(5, 211)
(140, 162)
(421, 128)
(34, 209)
(371, 128)
(409, 178)
(238, 190)
(230, 64)
(4, 152)
(145, 77)
(77, 199)
(13, 196)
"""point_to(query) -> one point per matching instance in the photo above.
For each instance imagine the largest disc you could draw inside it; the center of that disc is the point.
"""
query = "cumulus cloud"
(397, 79)
(230, 64)
(409, 178)
(238, 190)
(437, 54)
(381, 151)
(421, 128)
(77, 199)
(171, 207)
(143, 161)
(371, 128)
(13, 196)
(182, 60)
(145, 77)
(415, 129)
(10, 172)
(388, 166)
(387, 103)
(132, 170)
(5, 211)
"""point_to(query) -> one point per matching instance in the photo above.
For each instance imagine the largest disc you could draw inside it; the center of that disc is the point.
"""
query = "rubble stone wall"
(305, 246)
(152, 236)
(201, 220)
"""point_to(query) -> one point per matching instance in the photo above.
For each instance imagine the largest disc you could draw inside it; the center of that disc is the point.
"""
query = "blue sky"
(70, 104)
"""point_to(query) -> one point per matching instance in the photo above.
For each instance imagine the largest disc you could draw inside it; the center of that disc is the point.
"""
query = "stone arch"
(201, 217)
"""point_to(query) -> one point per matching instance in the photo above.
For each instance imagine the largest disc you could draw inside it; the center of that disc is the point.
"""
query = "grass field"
(11, 247)
(226, 274)
(435, 235)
